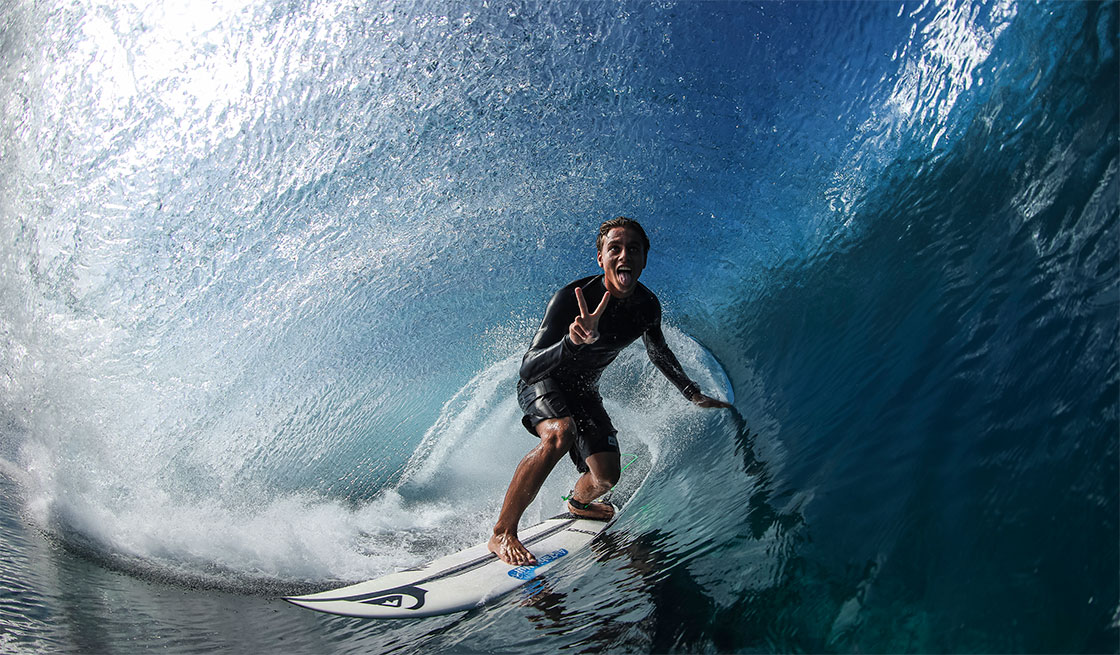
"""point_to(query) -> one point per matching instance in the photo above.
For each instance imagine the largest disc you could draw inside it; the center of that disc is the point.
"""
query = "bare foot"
(600, 511)
(510, 550)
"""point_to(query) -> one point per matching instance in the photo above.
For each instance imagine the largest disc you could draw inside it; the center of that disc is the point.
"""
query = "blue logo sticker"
(527, 572)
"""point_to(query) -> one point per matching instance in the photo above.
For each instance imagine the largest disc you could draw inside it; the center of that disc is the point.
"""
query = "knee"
(604, 469)
(557, 435)
(608, 478)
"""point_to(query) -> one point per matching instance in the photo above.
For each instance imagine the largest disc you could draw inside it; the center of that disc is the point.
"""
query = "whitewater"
(268, 269)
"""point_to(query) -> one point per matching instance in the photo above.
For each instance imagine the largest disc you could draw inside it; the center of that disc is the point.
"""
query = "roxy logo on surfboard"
(526, 572)
(393, 597)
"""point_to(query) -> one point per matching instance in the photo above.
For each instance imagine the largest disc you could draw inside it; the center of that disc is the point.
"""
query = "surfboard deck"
(457, 582)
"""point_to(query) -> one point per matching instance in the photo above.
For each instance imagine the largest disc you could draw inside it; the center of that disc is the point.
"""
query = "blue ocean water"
(267, 270)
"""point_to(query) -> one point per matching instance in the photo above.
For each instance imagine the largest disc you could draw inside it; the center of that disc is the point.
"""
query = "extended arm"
(664, 359)
(666, 362)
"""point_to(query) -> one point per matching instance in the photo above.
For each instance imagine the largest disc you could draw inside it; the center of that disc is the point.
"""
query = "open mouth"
(625, 275)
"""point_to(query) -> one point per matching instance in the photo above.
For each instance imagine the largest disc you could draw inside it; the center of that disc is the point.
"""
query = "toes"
(512, 553)
(518, 557)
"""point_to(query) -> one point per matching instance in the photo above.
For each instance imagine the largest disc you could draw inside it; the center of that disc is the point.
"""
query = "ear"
(599, 258)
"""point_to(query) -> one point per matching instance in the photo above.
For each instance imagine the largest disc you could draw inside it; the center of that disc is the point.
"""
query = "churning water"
(267, 270)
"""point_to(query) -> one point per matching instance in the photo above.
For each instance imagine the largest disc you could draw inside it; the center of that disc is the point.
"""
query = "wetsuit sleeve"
(551, 345)
(664, 359)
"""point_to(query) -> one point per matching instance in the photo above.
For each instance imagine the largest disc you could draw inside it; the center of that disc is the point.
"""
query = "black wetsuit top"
(552, 354)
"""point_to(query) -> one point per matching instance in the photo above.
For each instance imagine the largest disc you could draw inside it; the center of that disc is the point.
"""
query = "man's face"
(622, 259)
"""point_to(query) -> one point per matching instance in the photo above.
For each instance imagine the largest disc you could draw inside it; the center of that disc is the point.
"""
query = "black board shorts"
(594, 431)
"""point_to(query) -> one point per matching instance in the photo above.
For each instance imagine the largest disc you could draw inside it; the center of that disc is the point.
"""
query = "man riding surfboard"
(559, 381)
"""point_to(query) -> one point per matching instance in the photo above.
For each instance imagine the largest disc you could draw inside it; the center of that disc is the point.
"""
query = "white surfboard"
(456, 582)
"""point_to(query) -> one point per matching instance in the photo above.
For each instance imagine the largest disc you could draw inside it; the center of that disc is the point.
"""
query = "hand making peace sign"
(584, 329)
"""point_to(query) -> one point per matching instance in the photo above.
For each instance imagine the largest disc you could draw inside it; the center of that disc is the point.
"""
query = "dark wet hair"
(621, 221)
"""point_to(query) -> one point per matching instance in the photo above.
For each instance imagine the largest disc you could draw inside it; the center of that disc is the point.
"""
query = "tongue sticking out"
(625, 278)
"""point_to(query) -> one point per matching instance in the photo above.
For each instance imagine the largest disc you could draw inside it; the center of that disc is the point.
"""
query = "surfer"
(559, 385)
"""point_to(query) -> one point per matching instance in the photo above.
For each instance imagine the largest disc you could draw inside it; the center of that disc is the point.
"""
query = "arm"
(666, 362)
(566, 327)
(664, 359)
(551, 345)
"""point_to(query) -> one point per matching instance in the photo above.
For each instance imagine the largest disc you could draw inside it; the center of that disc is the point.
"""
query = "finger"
(582, 303)
(602, 305)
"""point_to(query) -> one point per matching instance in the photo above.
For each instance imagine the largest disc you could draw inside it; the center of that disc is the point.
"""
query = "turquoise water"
(268, 270)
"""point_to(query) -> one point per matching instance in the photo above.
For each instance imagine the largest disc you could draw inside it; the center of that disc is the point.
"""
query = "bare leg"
(599, 480)
(556, 439)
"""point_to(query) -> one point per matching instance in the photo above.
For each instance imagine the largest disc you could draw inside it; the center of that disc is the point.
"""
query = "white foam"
(447, 498)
